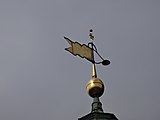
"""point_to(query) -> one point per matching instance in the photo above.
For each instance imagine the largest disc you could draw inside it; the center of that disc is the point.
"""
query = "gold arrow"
(81, 50)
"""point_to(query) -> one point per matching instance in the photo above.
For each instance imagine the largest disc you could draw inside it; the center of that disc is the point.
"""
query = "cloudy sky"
(39, 80)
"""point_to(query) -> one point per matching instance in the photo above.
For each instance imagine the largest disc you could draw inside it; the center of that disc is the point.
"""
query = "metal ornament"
(85, 51)
(95, 86)
(81, 50)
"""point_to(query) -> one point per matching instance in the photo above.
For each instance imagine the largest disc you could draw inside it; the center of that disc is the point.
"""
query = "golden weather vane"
(95, 86)
(85, 51)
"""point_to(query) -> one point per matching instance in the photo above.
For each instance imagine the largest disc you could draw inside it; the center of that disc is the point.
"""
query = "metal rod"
(94, 73)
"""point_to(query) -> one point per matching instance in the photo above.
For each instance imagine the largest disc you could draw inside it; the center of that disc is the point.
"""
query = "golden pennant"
(81, 50)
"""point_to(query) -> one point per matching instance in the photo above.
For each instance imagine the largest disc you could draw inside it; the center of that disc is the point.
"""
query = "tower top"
(95, 86)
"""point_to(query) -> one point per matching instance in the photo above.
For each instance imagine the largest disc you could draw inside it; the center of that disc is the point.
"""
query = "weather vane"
(95, 86)
(85, 51)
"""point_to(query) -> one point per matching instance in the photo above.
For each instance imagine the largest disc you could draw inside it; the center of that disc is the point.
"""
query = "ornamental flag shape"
(83, 51)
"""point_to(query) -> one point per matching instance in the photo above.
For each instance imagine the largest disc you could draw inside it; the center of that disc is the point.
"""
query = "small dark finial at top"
(91, 35)
(90, 30)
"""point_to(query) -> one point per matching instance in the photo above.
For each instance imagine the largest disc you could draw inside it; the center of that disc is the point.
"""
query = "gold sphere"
(95, 87)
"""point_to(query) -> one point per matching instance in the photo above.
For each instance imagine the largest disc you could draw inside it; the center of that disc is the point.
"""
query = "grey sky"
(41, 81)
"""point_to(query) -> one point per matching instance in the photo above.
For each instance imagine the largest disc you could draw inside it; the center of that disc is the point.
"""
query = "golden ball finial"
(95, 87)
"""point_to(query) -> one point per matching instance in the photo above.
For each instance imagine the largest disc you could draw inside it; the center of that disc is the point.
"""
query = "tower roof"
(98, 116)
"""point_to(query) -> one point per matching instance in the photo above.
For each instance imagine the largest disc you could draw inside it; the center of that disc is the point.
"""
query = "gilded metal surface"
(95, 87)
(94, 73)
(81, 50)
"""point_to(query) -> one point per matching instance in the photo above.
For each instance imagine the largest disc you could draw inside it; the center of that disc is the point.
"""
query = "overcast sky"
(39, 80)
